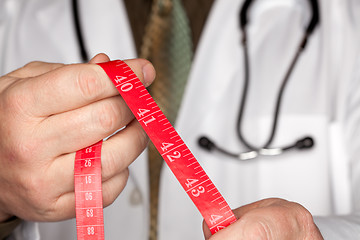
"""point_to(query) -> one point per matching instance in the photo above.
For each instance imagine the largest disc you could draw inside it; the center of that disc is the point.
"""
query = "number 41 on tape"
(172, 148)
(181, 161)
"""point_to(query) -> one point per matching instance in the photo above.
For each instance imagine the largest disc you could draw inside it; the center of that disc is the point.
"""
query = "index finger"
(74, 86)
(35, 68)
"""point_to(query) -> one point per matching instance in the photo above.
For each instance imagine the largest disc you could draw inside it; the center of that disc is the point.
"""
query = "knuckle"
(36, 191)
(113, 164)
(30, 69)
(32, 64)
(108, 117)
(89, 83)
(109, 165)
(273, 202)
(32, 189)
(255, 230)
(304, 216)
(26, 150)
(262, 230)
(13, 101)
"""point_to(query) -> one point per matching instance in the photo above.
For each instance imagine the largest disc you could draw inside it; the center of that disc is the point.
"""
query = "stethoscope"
(205, 142)
(265, 150)
(79, 35)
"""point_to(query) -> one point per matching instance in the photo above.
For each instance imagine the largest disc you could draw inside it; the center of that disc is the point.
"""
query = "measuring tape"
(212, 206)
(88, 194)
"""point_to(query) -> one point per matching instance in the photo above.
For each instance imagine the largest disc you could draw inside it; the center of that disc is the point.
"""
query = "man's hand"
(269, 219)
(47, 113)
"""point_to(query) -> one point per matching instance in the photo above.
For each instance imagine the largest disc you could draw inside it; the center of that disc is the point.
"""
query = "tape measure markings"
(170, 145)
(88, 193)
(87, 171)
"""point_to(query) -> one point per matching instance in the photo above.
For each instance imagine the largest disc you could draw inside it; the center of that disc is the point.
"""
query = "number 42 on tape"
(172, 148)
(185, 167)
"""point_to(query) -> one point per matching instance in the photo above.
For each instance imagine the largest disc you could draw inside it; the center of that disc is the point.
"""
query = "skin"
(48, 112)
(269, 219)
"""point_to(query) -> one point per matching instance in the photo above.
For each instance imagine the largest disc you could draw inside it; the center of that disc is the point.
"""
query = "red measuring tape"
(181, 161)
(88, 194)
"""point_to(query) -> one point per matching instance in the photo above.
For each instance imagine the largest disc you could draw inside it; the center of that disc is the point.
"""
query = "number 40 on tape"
(185, 167)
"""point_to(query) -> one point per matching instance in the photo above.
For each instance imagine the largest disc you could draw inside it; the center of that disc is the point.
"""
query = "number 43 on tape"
(185, 167)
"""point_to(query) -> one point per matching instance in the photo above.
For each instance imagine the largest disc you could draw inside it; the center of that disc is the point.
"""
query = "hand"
(47, 113)
(269, 219)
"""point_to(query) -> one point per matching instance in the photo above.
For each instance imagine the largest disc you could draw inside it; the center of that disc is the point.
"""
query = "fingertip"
(143, 69)
(100, 58)
(149, 73)
(113, 187)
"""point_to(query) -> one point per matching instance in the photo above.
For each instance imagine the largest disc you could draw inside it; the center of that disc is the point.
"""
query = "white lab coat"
(320, 100)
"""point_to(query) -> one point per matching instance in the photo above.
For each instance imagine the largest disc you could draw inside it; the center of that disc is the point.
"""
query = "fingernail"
(148, 73)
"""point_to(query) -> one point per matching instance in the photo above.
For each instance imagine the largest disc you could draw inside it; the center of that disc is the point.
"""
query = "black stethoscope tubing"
(304, 143)
(78, 31)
